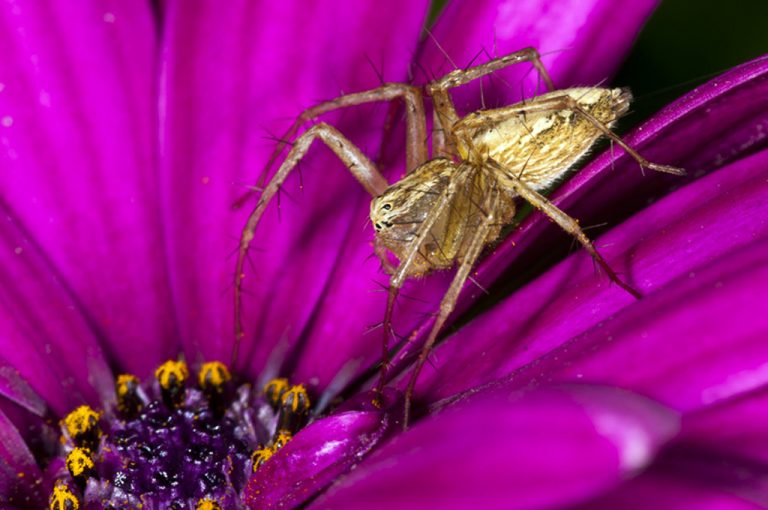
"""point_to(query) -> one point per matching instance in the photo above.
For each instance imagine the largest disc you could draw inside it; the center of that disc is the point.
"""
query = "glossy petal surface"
(315, 458)
(534, 450)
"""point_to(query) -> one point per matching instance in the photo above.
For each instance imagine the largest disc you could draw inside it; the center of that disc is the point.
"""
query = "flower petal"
(533, 450)
(226, 74)
(666, 491)
(17, 390)
(77, 149)
(699, 246)
(19, 473)
(584, 47)
(731, 427)
(314, 458)
(48, 346)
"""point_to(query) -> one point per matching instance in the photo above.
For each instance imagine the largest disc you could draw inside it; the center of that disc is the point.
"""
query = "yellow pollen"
(79, 461)
(260, 456)
(81, 421)
(63, 499)
(207, 504)
(213, 375)
(171, 373)
(281, 438)
(275, 389)
(125, 384)
(298, 395)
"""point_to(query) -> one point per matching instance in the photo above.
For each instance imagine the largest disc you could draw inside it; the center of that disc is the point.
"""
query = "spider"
(449, 206)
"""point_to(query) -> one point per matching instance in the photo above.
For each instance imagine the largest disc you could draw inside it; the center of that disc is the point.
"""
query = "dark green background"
(688, 42)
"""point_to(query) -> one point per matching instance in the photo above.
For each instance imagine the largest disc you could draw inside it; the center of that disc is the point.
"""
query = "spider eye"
(377, 226)
(386, 207)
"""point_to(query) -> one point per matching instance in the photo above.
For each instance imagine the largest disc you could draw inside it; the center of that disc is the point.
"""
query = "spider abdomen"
(540, 146)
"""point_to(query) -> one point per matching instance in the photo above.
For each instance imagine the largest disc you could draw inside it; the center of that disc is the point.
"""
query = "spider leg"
(445, 116)
(402, 271)
(357, 163)
(571, 104)
(447, 304)
(566, 102)
(416, 129)
(565, 222)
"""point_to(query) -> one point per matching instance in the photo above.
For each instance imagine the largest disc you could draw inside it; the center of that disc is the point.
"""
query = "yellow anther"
(81, 422)
(62, 498)
(207, 504)
(296, 399)
(126, 385)
(128, 400)
(172, 374)
(282, 437)
(275, 389)
(260, 456)
(213, 376)
(79, 462)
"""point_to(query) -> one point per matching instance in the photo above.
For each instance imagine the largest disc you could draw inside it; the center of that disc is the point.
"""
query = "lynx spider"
(447, 208)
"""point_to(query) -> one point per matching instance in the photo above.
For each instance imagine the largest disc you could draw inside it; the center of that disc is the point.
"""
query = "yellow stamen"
(126, 384)
(79, 462)
(62, 498)
(260, 456)
(126, 388)
(207, 504)
(282, 437)
(213, 376)
(275, 389)
(171, 376)
(171, 373)
(297, 399)
(82, 421)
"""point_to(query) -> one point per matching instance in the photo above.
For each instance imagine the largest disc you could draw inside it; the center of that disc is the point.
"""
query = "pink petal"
(733, 427)
(77, 149)
(581, 43)
(537, 450)
(49, 350)
(19, 473)
(661, 491)
(314, 458)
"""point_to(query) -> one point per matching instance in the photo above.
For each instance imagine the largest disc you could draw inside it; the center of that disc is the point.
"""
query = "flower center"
(169, 445)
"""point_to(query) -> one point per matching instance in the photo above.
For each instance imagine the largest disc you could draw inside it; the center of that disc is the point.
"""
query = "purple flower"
(126, 135)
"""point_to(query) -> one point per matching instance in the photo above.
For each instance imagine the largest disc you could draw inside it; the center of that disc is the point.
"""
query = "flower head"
(126, 135)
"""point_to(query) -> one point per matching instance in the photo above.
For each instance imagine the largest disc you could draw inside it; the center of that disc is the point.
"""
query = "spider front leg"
(445, 116)
(356, 162)
(448, 303)
(404, 268)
